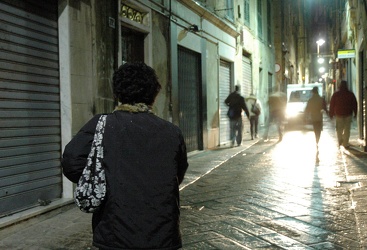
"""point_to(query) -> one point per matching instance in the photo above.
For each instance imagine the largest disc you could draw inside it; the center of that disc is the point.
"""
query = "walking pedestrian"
(277, 103)
(343, 105)
(254, 110)
(236, 104)
(315, 105)
(144, 159)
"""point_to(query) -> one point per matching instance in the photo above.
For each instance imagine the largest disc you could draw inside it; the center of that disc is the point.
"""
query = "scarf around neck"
(134, 108)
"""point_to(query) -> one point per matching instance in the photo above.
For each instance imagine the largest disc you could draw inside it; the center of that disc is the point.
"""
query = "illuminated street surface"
(274, 195)
(262, 195)
(294, 159)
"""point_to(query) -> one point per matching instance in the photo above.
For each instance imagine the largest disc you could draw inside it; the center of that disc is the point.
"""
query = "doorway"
(190, 106)
(132, 45)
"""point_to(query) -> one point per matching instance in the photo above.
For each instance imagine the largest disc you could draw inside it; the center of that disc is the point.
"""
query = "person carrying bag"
(255, 111)
(144, 160)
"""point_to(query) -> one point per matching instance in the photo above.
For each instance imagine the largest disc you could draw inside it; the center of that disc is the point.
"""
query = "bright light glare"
(321, 60)
(294, 158)
(292, 111)
(322, 70)
(320, 42)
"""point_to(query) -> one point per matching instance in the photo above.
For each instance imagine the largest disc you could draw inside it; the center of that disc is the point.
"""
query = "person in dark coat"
(343, 105)
(315, 105)
(145, 161)
(236, 104)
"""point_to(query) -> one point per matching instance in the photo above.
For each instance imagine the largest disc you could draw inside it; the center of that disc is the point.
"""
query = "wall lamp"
(193, 28)
(183, 33)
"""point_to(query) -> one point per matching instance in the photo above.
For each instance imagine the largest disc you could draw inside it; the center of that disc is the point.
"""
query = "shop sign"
(346, 53)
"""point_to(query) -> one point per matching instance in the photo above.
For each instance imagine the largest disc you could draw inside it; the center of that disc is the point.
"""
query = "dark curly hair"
(135, 83)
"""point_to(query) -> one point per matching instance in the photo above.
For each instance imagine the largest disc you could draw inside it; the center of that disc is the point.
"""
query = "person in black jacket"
(145, 161)
(236, 104)
(314, 108)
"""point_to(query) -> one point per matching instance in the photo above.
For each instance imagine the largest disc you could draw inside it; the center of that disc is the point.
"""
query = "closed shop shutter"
(246, 88)
(247, 77)
(363, 98)
(29, 104)
(189, 87)
(224, 91)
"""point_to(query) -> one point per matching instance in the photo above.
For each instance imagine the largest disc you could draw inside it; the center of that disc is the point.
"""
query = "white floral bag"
(90, 191)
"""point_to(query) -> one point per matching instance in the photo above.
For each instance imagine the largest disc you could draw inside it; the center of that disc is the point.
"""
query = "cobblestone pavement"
(262, 195)
(276, 196)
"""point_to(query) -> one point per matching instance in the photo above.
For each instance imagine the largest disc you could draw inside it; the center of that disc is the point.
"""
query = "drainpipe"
(117, 39)
(365, 124)
(169, 65)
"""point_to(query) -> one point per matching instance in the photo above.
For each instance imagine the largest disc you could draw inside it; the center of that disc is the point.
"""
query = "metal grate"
(189, 87)
(29, 104)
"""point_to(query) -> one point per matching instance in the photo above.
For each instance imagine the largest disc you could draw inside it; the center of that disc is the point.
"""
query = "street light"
(321, 60)
(319, 43)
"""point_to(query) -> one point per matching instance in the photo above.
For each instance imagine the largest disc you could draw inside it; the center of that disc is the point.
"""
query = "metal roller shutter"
(247, 77)
(362, 106)
(189, 87)
(246, 87)
(224, 91)
(29, 104)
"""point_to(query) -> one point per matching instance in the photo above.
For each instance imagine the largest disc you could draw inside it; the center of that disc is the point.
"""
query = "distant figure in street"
(277, 104)
(343, 105)
(314, 108)
(236, 104)
(145, 161)
(255, 110)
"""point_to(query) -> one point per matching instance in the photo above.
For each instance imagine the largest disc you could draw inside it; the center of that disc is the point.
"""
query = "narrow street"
(58, 60)
(276, 196)
(262, 195)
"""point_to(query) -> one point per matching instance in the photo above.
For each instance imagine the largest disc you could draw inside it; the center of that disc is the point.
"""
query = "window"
(259, 18)
(270, 83)
(247, 12)
(229, 8)
(269, 21)
(300, 95)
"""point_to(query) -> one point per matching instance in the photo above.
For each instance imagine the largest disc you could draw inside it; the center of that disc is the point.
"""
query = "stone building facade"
(58, 56)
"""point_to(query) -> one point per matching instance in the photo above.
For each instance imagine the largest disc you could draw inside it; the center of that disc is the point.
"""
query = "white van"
(297, 97)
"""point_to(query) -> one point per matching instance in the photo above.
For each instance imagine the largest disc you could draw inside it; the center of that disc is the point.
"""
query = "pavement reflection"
(276, 195)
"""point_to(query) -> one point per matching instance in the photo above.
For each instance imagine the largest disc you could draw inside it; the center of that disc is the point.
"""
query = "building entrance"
(132, 45)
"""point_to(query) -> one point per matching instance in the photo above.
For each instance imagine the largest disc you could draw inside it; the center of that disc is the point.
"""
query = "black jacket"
(237, 103)
(145, 160)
